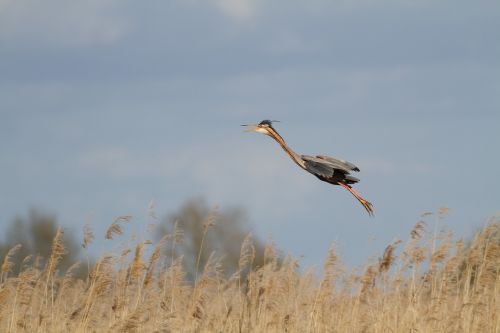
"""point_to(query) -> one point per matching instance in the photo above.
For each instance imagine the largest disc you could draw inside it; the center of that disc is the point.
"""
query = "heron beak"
(251, 128)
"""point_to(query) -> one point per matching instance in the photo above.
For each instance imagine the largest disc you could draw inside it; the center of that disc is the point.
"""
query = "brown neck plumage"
(293, 155)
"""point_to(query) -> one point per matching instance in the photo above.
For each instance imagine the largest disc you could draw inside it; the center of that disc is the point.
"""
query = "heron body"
(326, 168)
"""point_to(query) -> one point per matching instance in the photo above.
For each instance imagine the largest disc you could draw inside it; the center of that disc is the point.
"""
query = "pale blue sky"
(105, 105)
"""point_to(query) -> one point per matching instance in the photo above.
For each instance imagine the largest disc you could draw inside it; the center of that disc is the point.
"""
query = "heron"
(328, 169)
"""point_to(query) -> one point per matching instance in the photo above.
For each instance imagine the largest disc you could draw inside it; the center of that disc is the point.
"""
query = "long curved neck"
(293, 155)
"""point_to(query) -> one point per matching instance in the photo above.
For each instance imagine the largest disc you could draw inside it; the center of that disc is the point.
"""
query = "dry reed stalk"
(442, 212)
(270, 253)
(388, 257)
(155, 256)
(177, 275)
(367, 282)
(247, 253)
(26, 261)
(7, 262)
(137, 267)
(123, 285)
(384, 265)
(68, 279)
(202, 290)
(38, 262)
(326, 286)
(28, 293)
(6, 292)
(115, 228)
(151, 209)
(64, 302)
(58, 251)
(209, 222)
(101, 279)
(489, 262)
(88, 235)
(177, 238)
(412, 252)
(247, 257)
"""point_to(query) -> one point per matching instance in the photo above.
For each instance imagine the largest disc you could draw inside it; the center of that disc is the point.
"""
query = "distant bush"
(34, 234)
(209, 232)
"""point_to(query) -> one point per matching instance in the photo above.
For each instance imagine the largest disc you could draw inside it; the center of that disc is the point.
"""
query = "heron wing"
(318, 166)
(331, 171)
(342, 164)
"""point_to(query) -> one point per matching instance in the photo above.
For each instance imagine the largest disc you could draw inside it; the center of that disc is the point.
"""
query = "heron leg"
(368, 206)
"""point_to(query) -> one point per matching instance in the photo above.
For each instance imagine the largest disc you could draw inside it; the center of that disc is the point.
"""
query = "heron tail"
(368, 206)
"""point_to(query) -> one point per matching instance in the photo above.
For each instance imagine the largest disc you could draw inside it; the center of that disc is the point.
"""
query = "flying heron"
(326, 168)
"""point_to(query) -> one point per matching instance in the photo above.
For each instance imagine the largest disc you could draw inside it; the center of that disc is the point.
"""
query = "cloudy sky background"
(106, 105)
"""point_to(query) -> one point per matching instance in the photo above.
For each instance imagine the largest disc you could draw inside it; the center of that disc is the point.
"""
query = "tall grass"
(433, 283)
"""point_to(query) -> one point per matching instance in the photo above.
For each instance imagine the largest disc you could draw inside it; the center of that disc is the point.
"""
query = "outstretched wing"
(346, 165)
(318, 166)
(331, 169)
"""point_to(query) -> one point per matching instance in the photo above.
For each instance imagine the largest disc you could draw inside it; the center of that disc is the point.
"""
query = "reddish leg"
(368, 206)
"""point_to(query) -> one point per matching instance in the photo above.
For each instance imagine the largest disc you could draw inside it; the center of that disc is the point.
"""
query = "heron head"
(263, 127)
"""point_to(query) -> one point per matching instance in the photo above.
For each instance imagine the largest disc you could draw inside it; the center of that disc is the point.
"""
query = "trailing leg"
(368, 206)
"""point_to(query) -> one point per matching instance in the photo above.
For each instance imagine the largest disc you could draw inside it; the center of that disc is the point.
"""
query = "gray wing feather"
(348, 166)
(351, 179)
(319, 166)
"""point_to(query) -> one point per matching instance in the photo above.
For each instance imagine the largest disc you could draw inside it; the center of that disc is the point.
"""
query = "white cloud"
(60, 22)
(243, 10)
(237, 9)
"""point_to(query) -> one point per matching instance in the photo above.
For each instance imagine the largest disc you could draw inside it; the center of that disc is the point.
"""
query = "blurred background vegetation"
(200, 231)
(35, 233)
(195, 231)
(205, 231)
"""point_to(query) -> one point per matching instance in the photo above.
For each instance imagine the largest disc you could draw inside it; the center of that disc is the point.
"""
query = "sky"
(107, 106)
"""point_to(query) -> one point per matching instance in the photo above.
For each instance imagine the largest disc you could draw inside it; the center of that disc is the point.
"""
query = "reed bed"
(432, 283)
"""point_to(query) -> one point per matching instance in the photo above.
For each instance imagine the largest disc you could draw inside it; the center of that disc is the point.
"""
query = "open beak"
(251, 127)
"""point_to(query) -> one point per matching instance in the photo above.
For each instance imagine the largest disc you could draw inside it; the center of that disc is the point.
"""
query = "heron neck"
(293, 155)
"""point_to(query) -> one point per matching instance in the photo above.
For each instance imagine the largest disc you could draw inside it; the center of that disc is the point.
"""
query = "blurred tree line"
(200, 231)
(205, 231)
(35, 234)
